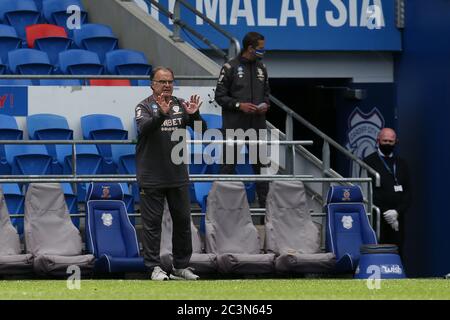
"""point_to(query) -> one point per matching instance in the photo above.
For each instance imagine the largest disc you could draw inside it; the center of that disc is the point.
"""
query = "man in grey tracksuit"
(160, 178)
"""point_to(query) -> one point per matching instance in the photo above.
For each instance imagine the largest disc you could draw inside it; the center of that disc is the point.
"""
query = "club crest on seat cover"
(347, 222)
(107, 219)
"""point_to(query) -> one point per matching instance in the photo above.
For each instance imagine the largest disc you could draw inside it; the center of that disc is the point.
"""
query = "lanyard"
(394, 174)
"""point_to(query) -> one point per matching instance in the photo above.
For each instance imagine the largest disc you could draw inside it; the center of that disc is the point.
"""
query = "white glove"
(390, 216)
(394, 225)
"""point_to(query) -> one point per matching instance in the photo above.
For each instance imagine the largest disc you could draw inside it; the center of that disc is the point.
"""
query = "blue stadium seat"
(110, 236)
(124, 157)
(142, 83)
(60, 82)
(15, 201)
(104, 127)
(45, 126)
(48, 38)
(128, 198)
(19, 14)
(29, 61)
(16, 82)
(38, 4)
(83, 62)
(28, 159)
(250, 187)
(3, 67)
(9, 41)
(347, 226)
(98, 38)
(55, 12)
(127, 62)
(71, 201)
(89, 162)
(8, 131)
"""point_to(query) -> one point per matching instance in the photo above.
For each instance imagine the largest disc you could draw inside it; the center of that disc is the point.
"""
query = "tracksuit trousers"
(152, 202)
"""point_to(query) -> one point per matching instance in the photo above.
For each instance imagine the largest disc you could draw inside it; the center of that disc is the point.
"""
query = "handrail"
(87, 77)
(180, 23)
(291, 113)
(235, 46)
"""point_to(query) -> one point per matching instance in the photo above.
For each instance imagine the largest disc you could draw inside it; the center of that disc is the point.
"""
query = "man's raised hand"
(163, 103)
(193, 104)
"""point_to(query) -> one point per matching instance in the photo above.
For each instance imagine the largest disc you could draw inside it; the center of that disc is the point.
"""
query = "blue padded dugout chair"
(347, 226)
(110, 236)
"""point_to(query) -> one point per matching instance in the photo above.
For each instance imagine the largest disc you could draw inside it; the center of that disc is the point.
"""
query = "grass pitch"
(276, 289)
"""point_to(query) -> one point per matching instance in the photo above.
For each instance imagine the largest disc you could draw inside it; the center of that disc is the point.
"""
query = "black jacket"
(242, 80)
(384, 196)
(154, 164)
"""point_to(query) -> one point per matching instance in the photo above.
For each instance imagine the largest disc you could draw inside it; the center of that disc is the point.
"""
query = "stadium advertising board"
(14, 101)
(329, 25)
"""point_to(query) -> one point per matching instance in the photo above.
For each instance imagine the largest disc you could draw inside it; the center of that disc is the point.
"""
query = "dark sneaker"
(183, 274)
(159, 274)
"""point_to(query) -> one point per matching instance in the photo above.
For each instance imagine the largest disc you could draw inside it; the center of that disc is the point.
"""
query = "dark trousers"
(152, 208)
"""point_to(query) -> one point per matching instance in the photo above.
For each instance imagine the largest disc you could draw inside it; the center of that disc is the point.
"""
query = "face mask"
(260, 53)
(387, 149)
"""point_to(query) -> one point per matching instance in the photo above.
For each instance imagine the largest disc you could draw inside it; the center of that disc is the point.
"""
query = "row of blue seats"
(54, 39)
(21, 13)
(75, 62)
(73, 82)
(56, 159)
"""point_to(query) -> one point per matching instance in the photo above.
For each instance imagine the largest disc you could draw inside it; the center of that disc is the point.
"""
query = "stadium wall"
(75, 102)
(423, 99)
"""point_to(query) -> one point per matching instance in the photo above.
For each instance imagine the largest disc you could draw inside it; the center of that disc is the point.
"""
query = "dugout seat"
(290, 232)
(347, 226)
(3, 67)
(201, 262)
(50, 235)
(230, 233)
(110, 236)
(11, 259)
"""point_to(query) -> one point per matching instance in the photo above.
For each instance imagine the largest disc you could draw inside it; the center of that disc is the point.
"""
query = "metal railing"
(290, 114)
(179, 24)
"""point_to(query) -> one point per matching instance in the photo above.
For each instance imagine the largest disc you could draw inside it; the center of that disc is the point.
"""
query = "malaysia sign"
(297, 24)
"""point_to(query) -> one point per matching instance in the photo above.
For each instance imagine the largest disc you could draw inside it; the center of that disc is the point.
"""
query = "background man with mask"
(393, 196)
(243, 93)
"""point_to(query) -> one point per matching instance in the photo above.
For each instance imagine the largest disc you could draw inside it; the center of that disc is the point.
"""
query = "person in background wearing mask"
(393, 196)
(243, 93)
